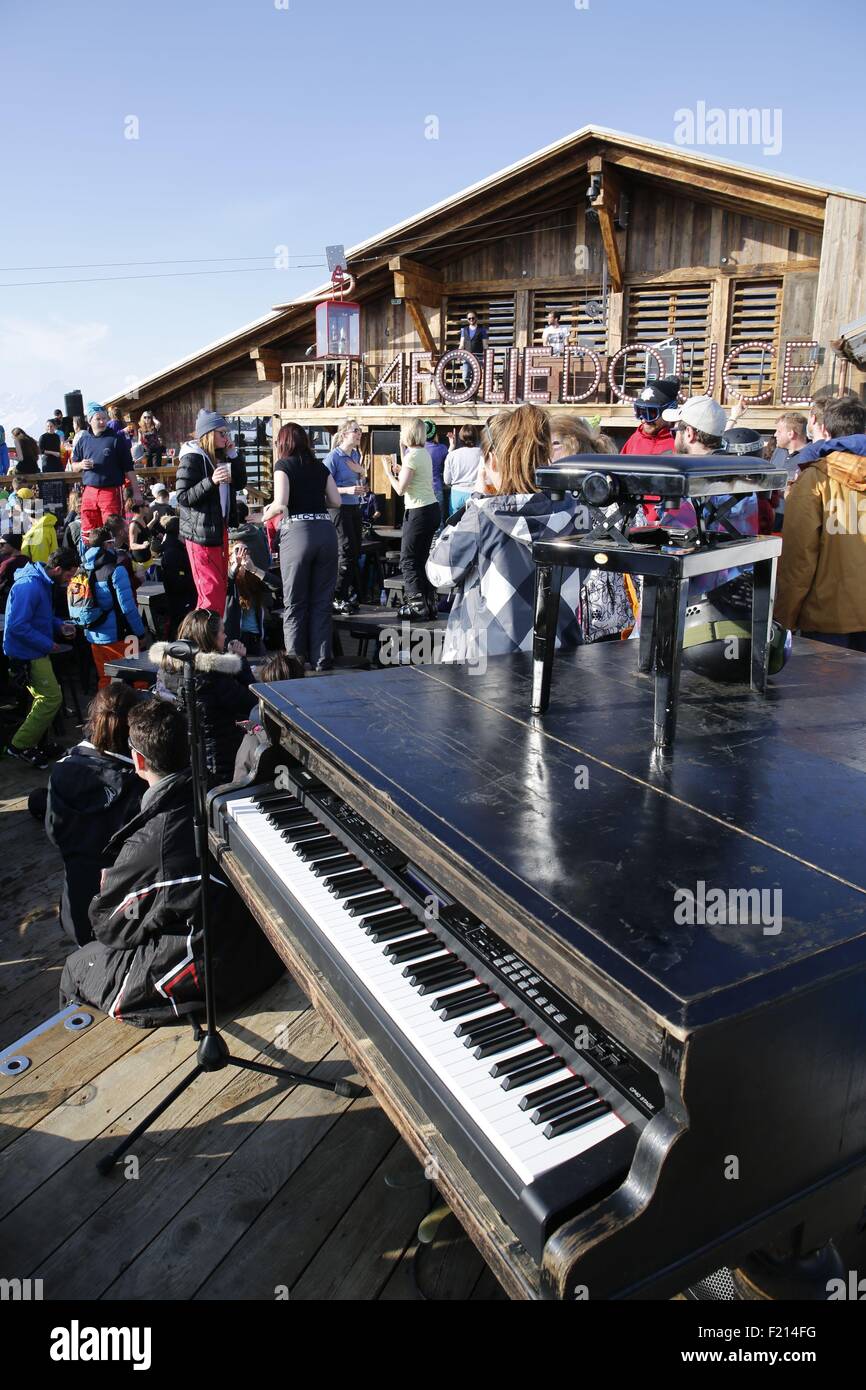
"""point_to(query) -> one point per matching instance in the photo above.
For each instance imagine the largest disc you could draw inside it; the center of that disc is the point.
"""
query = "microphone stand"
(213, 1053)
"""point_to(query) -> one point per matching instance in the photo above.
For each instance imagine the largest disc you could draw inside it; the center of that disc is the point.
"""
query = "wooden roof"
(542, 180)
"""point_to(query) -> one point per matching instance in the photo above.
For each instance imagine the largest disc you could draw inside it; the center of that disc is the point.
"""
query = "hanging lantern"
(338, 320)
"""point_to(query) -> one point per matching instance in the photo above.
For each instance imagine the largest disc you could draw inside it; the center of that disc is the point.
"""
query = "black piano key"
(535, 1054)
(490, 1046)
(299, 837)
(297, 817)
(545, 1093)
(498, 1023)
(565, 1123)
(413, 949)
(312, 854)
(388, 919)
(351, 885)
(576, 1100)
(407, 927)
(467, 1006)
(476, 991)
(528, 1074)
(275, 798)
(439, 972)
(439, 964)
(358, 906)
(337, 871)
(332, 866)
(475, 1026)
(430, 986)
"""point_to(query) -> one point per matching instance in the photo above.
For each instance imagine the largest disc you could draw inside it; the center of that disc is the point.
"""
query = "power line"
(168, 275)
(213, 260)
(246, 270)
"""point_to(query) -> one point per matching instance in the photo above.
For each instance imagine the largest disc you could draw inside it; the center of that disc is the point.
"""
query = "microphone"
(182, 651)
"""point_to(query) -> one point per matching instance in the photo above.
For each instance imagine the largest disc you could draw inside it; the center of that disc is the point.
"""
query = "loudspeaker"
(385, 442)
(73, 404)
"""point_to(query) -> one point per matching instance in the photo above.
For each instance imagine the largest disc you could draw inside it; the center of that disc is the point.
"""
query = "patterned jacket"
(487, 558)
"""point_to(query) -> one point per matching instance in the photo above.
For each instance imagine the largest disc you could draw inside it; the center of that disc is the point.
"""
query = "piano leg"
(763, 592)
(670, 624)
(548, 583)
(646, 640)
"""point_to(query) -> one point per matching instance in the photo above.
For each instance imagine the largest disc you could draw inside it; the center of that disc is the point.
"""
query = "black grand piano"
(620, 1003)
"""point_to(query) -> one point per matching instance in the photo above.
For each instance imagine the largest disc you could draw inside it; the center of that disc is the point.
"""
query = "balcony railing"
(326, 383)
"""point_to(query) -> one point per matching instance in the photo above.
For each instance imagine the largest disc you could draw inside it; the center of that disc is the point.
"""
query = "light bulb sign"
(509, 375)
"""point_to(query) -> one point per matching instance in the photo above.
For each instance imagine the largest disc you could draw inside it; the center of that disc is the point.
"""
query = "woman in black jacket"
(208, 476)
(222, 680)
(146, 964)
(93, 791)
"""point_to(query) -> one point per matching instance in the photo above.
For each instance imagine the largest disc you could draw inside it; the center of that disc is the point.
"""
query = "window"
(678, 317)
(495, 313)
(755, 316)
(571, 305)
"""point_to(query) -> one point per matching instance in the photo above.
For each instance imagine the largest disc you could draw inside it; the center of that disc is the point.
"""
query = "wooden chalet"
(740, 280)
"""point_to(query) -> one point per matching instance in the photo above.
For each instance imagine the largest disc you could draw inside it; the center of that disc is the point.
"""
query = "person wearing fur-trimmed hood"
(222, 680)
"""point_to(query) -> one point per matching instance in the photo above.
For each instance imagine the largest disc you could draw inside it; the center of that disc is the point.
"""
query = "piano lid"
(574, 827)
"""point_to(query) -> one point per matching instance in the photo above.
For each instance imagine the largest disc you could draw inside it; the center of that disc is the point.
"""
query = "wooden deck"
(244, 1189)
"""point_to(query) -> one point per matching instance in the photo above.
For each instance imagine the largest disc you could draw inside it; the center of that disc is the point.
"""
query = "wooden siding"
(841, 295)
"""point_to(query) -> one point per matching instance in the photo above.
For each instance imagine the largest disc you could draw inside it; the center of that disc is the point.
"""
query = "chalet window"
(495, 313)
(571, 307)
(658, 313)
(755, 315)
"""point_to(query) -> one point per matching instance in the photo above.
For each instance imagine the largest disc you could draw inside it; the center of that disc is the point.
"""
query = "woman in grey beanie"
(208, 477)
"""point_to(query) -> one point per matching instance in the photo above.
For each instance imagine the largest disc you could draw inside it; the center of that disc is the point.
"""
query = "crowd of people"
(242, 589)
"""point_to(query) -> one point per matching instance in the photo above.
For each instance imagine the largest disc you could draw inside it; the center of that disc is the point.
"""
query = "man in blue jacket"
(30, 635)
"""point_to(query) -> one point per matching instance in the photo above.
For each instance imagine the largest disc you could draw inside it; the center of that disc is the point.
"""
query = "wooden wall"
(520, 248)
(841, 296)
(237, 391)
(667, 233)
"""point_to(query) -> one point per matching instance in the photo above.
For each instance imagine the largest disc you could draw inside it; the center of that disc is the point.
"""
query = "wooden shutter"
(755, 314)
(570, 305)
(659, 312)
(495, 313)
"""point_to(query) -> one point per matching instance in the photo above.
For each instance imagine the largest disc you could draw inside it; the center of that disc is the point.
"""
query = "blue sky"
(298, 123)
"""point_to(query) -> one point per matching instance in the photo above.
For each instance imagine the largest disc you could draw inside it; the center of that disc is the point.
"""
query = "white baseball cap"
(702, 413)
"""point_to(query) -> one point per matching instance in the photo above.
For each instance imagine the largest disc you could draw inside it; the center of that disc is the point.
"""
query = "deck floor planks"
(68, 1199)
(447, 1269)
(230, 1199)
(139, 1210)
(363, 1250)
(244, 1188)
(284, 1237)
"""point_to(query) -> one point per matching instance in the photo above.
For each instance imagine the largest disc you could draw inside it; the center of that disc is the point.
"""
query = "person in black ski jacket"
(209, 473)
(93, 791)
(222, 681)
(176, 572)
(146, 965)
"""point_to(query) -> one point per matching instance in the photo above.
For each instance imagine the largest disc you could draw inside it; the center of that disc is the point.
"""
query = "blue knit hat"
(93, 407)
(208, 420)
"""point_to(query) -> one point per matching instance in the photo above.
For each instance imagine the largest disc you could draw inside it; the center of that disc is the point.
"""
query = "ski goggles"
(649, 413)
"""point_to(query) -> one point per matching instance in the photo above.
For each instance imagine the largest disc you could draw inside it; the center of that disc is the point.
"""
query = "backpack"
(84, 610)
(84, 607)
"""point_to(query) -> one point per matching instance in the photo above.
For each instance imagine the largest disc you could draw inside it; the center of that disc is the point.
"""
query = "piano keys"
(498, 950)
